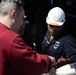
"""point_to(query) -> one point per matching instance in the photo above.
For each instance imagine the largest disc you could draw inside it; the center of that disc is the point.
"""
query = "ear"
(13, 14)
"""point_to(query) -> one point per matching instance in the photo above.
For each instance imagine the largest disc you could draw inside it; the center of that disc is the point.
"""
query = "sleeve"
(45, 42)
(25, 61)
(70, 50)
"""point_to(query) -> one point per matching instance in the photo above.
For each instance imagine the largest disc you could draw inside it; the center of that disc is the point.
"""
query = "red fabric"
(16, 58)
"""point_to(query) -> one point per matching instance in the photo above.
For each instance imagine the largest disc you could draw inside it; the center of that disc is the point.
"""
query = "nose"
(24, 17)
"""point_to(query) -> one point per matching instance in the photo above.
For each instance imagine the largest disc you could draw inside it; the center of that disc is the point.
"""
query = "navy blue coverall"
(63, 45)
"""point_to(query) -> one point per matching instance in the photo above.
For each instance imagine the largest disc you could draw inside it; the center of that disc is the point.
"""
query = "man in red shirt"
(16, 57)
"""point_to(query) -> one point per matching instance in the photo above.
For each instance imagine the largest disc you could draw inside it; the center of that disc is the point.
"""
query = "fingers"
(52, 59)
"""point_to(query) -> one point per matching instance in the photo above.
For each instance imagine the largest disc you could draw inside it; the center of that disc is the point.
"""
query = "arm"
(68, 53)
(26, 61)
(70, 50)
(47, 41)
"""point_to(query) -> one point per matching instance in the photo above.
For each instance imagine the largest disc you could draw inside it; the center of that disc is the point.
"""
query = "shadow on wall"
(71, 24)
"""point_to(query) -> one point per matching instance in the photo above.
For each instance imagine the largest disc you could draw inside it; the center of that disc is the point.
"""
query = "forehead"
(22, 12)
(56, 27)
(52, 25)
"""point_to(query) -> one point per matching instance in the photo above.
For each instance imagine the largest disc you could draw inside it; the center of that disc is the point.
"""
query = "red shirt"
(17, 58)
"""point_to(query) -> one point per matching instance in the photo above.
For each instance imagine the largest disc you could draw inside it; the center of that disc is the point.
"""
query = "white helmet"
(56, 16)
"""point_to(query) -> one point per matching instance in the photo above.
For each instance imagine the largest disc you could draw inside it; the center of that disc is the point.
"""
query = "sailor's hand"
(61, 61)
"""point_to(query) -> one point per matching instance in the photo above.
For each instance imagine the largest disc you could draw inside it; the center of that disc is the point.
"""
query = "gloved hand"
(48, 40)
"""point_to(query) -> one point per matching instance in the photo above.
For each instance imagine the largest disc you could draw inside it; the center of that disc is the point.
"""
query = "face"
(54, 30)
(19, 22)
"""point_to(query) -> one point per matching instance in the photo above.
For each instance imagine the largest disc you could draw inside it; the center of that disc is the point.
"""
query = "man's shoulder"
(8, 35)
(12, 33)
(6, 32)
(69, 39)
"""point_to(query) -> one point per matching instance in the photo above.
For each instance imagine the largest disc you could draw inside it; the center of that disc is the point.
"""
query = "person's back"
(16, 57)
(13, 61)
(6, 38)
